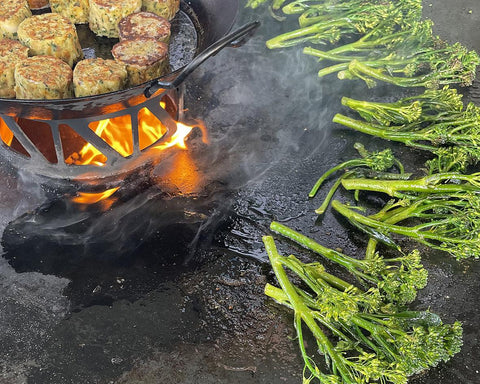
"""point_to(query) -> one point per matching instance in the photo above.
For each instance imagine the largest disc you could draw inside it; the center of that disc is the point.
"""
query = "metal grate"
(36, 151)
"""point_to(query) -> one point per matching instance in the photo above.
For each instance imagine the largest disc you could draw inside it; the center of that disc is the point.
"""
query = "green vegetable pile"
(435, 121)
(363, 338)
(385, 41)
(362, 325)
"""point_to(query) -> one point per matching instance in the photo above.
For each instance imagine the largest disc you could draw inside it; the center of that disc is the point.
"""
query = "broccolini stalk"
(333, 23)
(446, 208)
(412, 112)
(392, 43)
(366, 344)
(440, 184)
(453, 64)
(443, 126)
(377, 161)
(304, 314)
(451, 135)
(397, 278)
(276, 4)
(408, 56)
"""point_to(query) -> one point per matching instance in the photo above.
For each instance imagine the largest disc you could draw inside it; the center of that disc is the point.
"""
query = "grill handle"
(234, 40)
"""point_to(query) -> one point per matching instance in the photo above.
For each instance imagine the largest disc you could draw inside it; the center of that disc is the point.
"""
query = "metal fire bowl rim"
(116, 167)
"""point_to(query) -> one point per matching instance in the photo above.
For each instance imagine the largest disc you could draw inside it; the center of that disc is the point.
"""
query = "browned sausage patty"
(145, 58)
(144, 24)
(43, 77)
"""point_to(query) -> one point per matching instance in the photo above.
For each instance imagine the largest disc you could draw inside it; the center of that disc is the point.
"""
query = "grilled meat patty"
(11, 52)
(43, 77)
(97, 76)
(12, 13)
(144, 24)
(105, 15)
(145, 59)
(51, 34)
(165, 8)
(74, 10)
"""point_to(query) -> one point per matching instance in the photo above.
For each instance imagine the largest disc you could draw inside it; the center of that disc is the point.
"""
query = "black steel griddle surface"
(168, 287)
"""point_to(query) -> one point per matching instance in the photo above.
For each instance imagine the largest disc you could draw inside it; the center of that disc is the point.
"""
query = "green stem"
(429, 184)
(327, 56)
(414, 232)
(352, 265)
(358, 67)
(303, 312)
(277, 4)
(297, 36)
(408, 138)
(346, 164)
(321, 210)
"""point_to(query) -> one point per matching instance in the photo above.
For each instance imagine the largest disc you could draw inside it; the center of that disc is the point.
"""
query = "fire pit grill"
(161, 97)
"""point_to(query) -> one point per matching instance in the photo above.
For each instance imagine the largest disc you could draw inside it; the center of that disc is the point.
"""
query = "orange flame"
(103, 198)
(92, 198)
(117, 132)
(5, 133)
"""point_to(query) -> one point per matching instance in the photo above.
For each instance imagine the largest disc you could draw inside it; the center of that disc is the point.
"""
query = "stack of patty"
(143, 46)
(51, 38)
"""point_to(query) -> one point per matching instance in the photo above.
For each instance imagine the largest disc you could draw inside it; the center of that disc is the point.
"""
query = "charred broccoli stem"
(370, 341)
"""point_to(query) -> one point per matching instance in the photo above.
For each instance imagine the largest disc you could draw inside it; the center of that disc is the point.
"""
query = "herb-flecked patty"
(43, 77)
(51, 34)
(12, 13)
(105, 15)
(11, 52)
(165, 8)
(74, 10)
(97, 76)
